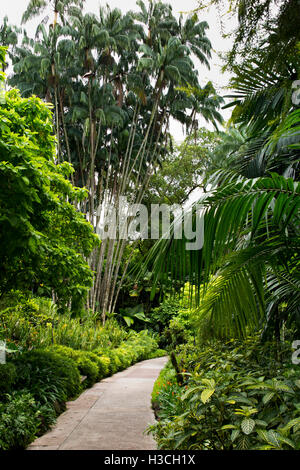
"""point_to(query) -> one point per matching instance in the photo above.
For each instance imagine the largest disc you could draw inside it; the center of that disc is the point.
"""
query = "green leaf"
(293, 423)
(235, 433)
(206, 394)
(247, 425)
(282, 386)
(243, 443)
(287, 441)
(83, 98)
(129, 321)
(267, 397)
(209, 382)
(273, 438)
(228, 426)
(263, 434)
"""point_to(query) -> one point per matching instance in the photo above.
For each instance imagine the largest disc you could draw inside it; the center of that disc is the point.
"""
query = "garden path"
(111, 415)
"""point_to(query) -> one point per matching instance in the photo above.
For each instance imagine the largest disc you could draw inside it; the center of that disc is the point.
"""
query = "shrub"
(47, 415)
(33, 322)
(167, 374)
(48, 375)
(115, 362)
(235, 397)
(160, 316)
(125, 355)
(103, 363)
(174, 335)
(26, 319)
(46, 378)
(84, 363)
(88, 368)
(157, 353)
(19, 421)
(8, 377)
(138, 346)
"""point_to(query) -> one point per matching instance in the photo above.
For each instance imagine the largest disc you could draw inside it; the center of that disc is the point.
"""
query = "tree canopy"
(44, 240)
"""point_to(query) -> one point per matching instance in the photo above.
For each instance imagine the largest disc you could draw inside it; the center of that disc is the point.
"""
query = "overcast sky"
(15, 8)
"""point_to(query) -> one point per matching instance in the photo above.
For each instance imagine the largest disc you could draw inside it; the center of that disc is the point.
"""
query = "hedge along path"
(112, 415)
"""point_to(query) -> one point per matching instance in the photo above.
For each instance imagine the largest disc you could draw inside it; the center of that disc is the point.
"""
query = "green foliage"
(33, 322)
(115, 362)
(37, 7)
(167, 374)
(47, 375)
(19, 421)
(247, 271)
(137, 347)
(44, 379)
(182, 169)
(236, 396)
(25, 319)
(173, 335)
(160, 316)
(271, 24)
(251, 233)
(44, 239)
(8, 377)
(136, 68)
(86, 366)
(100, 362)
(158, 353)
(131, 314)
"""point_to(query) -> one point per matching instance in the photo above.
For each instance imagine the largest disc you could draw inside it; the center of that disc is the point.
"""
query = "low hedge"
(85, 364)
(103, 362)
(44, 379)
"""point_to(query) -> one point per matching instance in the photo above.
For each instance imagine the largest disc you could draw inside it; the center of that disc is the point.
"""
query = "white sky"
(14, 10)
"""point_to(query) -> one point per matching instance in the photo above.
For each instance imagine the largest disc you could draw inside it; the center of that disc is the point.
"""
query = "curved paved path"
(112, 415)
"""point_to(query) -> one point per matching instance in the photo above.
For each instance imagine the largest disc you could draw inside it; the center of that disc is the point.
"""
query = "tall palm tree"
(8, 38)
(192, 33)
(59, 8)
(159, 22)
(114, 84)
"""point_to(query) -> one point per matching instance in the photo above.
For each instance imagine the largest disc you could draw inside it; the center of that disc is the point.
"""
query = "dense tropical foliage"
(114, 81)
(247, 274)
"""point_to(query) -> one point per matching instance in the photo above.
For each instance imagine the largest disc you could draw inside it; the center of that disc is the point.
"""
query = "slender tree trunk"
(56, 111)
(65, 134)
(92, 156)
(108, 259)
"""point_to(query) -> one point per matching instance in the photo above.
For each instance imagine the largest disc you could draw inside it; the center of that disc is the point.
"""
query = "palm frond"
(245, 229)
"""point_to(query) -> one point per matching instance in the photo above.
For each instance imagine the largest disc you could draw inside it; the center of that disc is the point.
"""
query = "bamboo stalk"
(65, 134)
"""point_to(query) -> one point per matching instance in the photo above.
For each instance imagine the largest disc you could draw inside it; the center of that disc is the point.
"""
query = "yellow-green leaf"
(206, 394)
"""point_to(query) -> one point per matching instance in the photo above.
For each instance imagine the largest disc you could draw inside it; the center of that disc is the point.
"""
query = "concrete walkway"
(112, 415)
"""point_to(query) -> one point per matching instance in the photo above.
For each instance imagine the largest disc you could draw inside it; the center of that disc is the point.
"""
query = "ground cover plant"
(39, 382)
(234, 395)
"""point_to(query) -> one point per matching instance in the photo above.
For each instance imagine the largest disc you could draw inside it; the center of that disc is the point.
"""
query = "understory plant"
(19, 421)
(235, 396)
(31, 322)
(35, 385)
